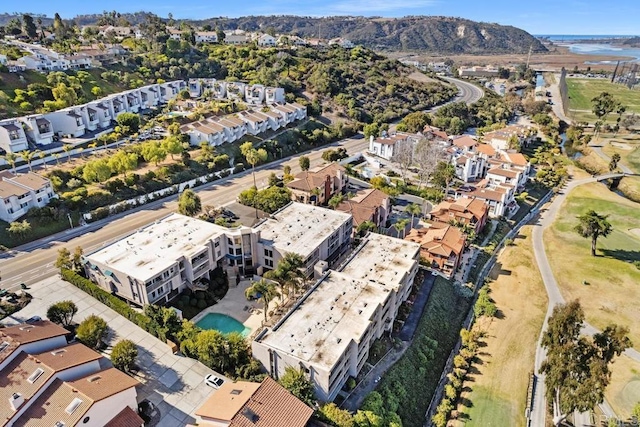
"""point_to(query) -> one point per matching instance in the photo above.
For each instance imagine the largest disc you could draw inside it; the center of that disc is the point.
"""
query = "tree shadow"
(473, 370)
(499, 314)
(497, 267)
(465, 402)
(621, 254)
(463, 416)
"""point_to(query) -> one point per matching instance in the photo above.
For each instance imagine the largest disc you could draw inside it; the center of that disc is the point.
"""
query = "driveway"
(174, 384)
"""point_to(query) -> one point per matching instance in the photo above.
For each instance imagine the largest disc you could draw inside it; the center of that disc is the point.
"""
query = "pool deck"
(234, 304)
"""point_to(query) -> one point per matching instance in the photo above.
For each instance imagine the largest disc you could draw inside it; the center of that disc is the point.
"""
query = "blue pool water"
(223, 323)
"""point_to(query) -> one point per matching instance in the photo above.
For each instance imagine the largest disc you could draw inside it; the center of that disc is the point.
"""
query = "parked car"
(33, 319)
(213, 381)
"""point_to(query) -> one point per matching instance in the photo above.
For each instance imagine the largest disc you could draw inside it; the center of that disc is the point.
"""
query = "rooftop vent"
(236, 392)
(27, 327)
(75, 403)
(94, 378)
(59, 351)
(3, 346)
(36, 374)
(16, 400)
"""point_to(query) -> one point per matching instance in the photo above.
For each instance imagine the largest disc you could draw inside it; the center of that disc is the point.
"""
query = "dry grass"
(612, 293)
(498, 394)
(628, 147)
(624, 391)
(593, 163)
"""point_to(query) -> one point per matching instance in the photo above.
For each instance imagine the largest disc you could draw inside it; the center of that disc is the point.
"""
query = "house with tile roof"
(248, 404)
(510, 137)
(387, 145)
(367, 205)
(21, 192)
(441, 246)
(34, 337)
(500, 197)
(466, 211)
(316, 186)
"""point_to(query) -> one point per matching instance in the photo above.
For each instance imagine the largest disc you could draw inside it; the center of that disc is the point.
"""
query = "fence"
(468, 322)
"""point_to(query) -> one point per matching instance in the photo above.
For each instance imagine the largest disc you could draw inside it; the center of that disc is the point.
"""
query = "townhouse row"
(219, 130)
(40, 129)
(21, 192)
(46, 382)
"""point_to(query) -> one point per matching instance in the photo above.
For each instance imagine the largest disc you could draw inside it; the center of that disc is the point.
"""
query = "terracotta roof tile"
(103, 384)
(126, 418)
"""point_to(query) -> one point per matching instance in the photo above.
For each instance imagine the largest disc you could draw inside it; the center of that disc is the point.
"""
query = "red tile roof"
(126, 418)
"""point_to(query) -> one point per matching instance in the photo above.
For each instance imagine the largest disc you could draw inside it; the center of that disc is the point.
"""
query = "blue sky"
(537, 17)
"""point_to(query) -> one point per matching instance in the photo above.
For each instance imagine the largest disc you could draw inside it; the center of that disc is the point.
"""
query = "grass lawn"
(627, 146)
(623, 392)
(496, 394)
(630, 187)
(415, 373)
(39, 229)
(612, 293)
(582, 91)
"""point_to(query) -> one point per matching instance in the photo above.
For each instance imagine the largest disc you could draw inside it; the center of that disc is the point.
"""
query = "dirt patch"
(420, 77)
(635, 231)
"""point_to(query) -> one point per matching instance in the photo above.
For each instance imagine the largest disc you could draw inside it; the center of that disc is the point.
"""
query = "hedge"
(107, 299)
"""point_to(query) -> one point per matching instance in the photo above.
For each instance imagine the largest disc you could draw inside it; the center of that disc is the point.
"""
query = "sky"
(536, 17)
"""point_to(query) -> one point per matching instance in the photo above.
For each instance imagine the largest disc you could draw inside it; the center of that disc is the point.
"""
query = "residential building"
(236, 37)
(317, 185)
(347, 44)
(235, 91)
(328, 333)
(156, 263)
(73, 121)
(439, 67)
(208, 130)
(244, 404)
(21, 192)
(387, 146)
(206, 37)
(3, 59)
(255, 121)
(499, 197)
(435, 134)
(274, 95)
(466, 211)
(266, 40)
(477, 71)
(314, 233)
(174, 33)
(441, 246)
(254, 94)
(36, 337)
(12, 136)
(367, 205)
(510, 137)
(91, 400)
(38, 129)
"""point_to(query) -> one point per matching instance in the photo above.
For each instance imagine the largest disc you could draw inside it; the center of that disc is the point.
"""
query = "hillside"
(433, 34)
(632, 42)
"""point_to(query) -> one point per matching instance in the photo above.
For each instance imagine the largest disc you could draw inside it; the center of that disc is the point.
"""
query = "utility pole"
(529, 56)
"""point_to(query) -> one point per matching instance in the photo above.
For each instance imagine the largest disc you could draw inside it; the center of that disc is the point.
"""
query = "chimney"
(16, 400)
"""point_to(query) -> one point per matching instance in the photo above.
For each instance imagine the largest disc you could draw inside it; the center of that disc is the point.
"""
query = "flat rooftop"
(300, 228)
(151, 249)
(382, 259)
(335, 313)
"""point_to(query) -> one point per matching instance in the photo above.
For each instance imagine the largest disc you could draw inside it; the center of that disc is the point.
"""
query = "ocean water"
(602, 49)
(580, 37)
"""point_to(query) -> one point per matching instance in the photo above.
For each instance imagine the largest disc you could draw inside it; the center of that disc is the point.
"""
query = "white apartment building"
(157, 262)
(254, 94)
(206, 37)
(329, 332)
(266, 40)
(236, 37)
(274, 95)
(21, 192)
(12, 136)
(314, 233)
(38, 128)
(387, 146)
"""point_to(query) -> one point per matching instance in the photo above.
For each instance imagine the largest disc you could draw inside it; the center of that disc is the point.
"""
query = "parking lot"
(174, 384)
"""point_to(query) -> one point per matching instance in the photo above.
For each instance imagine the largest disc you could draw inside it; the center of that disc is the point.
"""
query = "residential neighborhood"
(211, 217)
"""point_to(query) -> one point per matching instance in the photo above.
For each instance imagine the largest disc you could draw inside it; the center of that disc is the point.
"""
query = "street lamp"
(70, 222)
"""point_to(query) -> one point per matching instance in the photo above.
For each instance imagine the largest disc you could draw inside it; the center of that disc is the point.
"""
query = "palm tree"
(400, 226)
(414, 209)
(264, 290)
(336, 200)
(27, 156)
(43, 156)
(57, 157)
(93, 146)
(67, 149)
(253, 156)
(79, 151)
(289, 270)
(593, 225)
(11, 159)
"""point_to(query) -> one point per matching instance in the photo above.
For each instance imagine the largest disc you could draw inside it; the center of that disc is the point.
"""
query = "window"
(216, 244)
(268, 263)
(239, 251)
(268, 253)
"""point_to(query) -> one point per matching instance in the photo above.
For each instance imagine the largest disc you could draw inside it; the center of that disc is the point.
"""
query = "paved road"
(34, 261)
(555, 298)
(468, 93)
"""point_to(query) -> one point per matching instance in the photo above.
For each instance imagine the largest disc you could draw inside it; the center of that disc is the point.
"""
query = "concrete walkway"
(546, 218)
(370, 381)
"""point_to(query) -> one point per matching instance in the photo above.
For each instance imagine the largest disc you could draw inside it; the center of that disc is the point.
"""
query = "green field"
(611, 292)
(582, 91)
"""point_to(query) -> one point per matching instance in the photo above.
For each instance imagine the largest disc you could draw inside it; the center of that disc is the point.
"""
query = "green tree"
(27, 156)
(172, 145)
(76, 259)
(577, 367)
(443, 175)
(413, 209)
(19, 228)
(28, 26)
(164, 321)
(593, 225)
(97, 171)
(129, 122)
(253, 157)
(65, 95)
(613, 164)
(332, 414)
(371, 130)
(416, 122)
(189, 203)
(96, 91)
(62, 312)
(123, 355)
(288, 273)
(92, 331)
(63, 262)
(263, 289)
(297, 383)
(484, 304)
(11, 159)
(121, 162)
(336, 199)
(603, 105)
(400, 227)
(365, 227)
(305, 163)
(67, 149)
(152, 151)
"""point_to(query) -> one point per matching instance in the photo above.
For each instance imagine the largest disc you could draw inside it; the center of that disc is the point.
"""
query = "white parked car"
(213, 381)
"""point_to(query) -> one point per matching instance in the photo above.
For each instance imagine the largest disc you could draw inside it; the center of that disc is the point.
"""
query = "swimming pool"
(223, 323)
